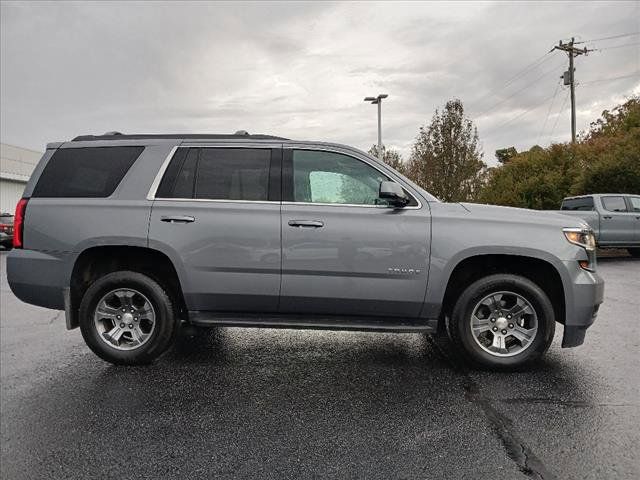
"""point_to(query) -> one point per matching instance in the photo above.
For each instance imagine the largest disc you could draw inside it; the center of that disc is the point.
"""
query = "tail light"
(18, 223)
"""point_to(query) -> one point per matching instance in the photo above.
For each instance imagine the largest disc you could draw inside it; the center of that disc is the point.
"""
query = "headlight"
(581, 237)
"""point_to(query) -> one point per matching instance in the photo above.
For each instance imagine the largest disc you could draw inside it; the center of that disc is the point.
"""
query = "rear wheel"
(502, 321)
(127, 318)
(634, 252)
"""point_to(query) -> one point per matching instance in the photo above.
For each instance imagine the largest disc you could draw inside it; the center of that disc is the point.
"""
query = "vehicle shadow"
(254, 401)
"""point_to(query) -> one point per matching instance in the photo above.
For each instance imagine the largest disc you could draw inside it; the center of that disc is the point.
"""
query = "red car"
(6, 230)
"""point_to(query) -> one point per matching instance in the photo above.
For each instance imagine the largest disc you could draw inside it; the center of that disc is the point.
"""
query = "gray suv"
(135, 235)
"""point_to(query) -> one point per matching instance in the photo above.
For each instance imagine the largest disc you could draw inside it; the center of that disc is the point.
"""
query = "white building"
(16, 166)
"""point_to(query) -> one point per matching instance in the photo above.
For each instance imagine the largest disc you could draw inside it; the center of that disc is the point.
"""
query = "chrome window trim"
(151, 195)
(324, 148)
(214, 200)
(363, 205)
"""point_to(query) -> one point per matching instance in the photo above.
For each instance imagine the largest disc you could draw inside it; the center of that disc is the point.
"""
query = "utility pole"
(378, 101)
(569, 77)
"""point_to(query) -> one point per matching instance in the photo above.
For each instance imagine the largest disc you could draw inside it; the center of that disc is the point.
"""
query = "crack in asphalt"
(564, 403)
(516, 449)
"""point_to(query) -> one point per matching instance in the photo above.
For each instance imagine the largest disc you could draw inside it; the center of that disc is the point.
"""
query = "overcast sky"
(301, 70)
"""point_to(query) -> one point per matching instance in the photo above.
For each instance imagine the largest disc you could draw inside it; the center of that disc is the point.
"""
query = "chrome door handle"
(178, 219)
(608, 217)
(306, 223)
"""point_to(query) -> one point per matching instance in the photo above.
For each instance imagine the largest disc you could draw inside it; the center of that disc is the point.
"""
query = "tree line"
(447, 161)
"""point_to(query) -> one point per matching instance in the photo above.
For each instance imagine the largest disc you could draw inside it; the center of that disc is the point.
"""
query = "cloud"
(301, 70)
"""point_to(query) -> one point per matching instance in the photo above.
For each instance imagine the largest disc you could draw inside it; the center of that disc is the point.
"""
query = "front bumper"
(582, 301)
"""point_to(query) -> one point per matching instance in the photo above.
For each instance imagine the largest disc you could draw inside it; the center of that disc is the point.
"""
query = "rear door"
(344, 251)
(634, 207)
(617, 224)
(217, 214)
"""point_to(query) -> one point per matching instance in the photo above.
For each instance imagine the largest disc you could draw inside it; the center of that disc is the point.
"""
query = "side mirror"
(394, 193)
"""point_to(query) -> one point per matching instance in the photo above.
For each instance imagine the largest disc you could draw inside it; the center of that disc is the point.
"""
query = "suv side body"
(286, 258)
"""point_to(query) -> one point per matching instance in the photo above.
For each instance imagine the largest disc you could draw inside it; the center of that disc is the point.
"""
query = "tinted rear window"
(85, 172)
(585, 203)
(217, 174)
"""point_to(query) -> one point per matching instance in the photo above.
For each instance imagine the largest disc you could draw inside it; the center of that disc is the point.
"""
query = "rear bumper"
(587, 293)
(6, 239)
(39, 278)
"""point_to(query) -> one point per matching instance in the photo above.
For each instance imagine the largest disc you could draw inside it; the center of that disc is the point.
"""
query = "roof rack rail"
(177, 136)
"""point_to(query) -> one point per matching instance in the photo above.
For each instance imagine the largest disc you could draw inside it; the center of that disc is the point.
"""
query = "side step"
(316, 322)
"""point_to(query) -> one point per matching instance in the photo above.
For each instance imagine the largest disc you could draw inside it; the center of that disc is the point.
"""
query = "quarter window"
(614, 204)
(91, 172)
(328, 177)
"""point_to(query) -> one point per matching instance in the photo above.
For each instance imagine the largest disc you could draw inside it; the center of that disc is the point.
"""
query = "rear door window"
(218, 174)
(85, 172)
(614, 204)
(635, 203)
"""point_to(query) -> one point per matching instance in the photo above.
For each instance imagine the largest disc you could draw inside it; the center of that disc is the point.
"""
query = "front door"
(344, 250)
(217, 215)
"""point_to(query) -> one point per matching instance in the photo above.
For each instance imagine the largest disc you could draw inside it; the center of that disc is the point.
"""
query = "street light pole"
(378, 101)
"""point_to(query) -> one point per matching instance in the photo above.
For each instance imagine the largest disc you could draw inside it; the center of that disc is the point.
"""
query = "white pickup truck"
(614, 217)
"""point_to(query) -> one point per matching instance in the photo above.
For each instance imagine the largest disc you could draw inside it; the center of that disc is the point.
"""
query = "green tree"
(605, 159)
(446, 159)
(505, 154)
(389, 156)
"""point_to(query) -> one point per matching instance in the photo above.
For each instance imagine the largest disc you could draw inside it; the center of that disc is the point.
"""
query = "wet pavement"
(252, 403)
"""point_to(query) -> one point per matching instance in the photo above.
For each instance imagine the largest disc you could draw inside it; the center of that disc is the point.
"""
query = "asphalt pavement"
(268, 403)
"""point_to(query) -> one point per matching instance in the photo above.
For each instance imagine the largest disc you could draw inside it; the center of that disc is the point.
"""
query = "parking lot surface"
(258, 403)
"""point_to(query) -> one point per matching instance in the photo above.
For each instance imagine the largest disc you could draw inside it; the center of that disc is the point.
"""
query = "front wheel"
(127, 318)
(502, 321)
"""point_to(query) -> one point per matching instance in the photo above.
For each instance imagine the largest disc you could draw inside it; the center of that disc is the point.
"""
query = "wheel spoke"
(114, 334)
(125, 297)
(105, 311)
(498, 344)
(494, 301)
(145, 309)
(138, 335)
(479, 325)
(520, 308)
(522, 334)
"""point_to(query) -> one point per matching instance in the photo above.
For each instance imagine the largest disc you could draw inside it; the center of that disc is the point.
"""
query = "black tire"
(167, 322)
(634, 252)
(460, 326)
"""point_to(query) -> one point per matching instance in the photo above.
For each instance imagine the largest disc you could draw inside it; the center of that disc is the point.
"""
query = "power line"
(522, 114)
(536, 63)
(619, 46)
(564, 102)
(549, 111)
(598, 80)
(518, 91)
(609, 38)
